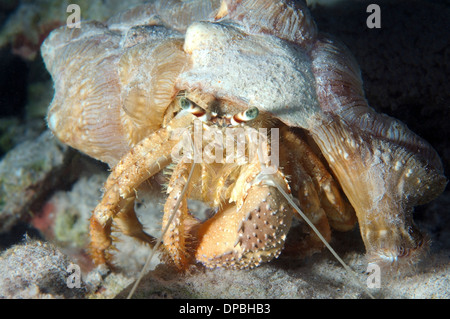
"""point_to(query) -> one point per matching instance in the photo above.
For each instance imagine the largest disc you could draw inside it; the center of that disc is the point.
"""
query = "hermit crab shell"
(273, 75)
(104, 102)
(114, 83)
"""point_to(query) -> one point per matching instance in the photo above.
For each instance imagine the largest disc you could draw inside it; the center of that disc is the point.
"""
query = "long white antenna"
(159, 241)
(310, 224)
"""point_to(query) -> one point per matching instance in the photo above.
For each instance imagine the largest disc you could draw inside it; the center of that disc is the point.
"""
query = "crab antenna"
(317, 232)
(159, 241)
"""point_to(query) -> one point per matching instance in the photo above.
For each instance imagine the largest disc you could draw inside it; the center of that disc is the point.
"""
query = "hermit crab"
(163, 86)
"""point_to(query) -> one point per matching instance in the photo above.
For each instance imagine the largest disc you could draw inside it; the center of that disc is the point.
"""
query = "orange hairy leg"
(128, 224)
(144, 160)
(176, 238)
(340, 213)
(318, 194)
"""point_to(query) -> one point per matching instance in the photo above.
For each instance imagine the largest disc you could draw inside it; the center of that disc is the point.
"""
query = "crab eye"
(245, 116)
(193, 108)
(185, 104)
(251, 113)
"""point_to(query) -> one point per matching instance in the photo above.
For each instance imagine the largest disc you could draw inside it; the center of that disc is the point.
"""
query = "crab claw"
(243, 235)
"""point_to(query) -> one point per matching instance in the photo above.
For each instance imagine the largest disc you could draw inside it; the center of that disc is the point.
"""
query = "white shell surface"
(254, 70)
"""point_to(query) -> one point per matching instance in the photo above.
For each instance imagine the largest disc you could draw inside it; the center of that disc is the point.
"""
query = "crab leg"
(143, 161)
(315, 185)
(118, 198)
(128, 223)
(305, 242)
(176, 239)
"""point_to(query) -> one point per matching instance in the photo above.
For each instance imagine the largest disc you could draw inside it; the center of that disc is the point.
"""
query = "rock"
(37, 270)
(14, 131)
(32, 21)
(72, 210)
(28, 173)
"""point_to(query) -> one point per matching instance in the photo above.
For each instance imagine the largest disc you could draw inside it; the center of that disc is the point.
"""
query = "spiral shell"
(104, 103)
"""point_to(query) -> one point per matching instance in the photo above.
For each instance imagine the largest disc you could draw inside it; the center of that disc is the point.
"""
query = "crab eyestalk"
(245, 116)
